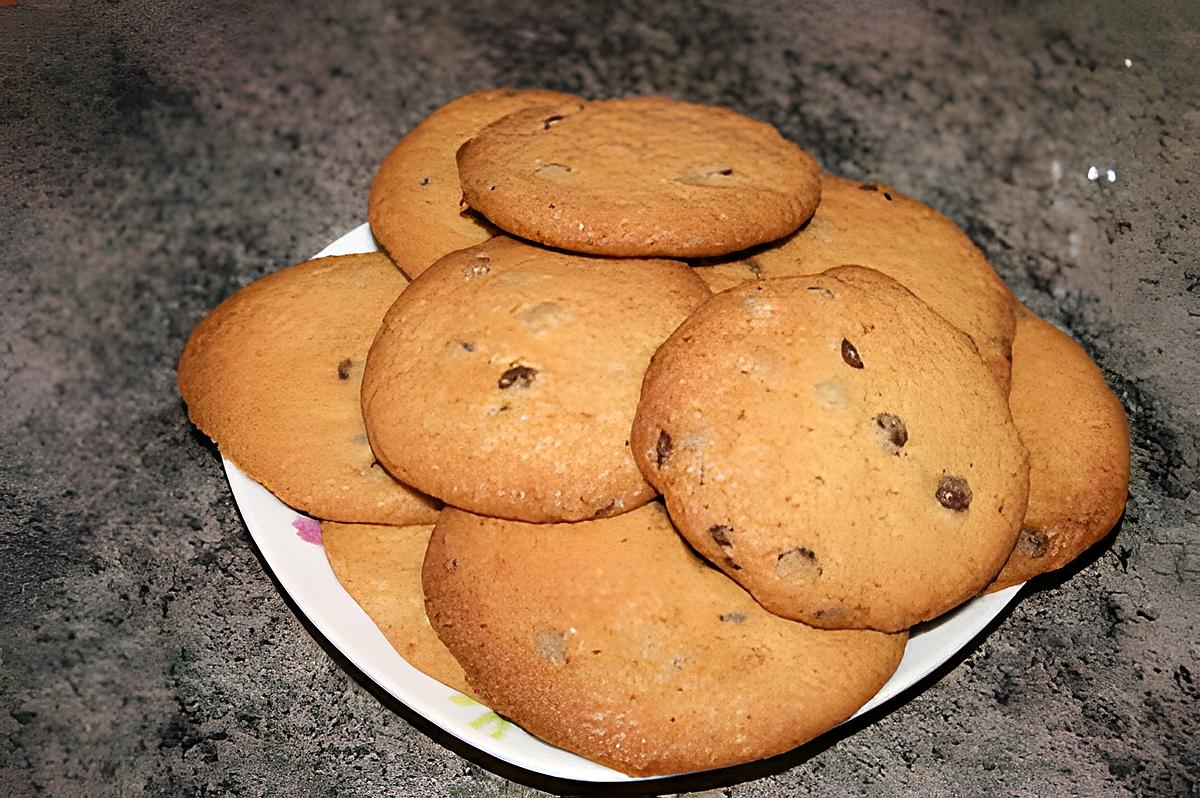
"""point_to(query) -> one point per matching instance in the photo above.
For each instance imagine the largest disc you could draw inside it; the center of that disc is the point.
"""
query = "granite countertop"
(156, 156)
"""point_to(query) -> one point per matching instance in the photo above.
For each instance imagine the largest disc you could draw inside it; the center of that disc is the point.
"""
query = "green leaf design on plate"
(488, 718)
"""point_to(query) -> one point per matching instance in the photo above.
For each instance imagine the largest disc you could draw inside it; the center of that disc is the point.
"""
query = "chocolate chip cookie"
(415, 206)
(1078, 440)
(612, 639)
(870, 224)
(644, 176)
(273, 374)
(835, 446)
(505, 378)
(380, 567)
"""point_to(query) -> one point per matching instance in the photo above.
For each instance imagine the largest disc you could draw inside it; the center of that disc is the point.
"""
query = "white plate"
(290, 543)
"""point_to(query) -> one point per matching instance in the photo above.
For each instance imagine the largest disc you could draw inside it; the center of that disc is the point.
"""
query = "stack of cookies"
(649, 434)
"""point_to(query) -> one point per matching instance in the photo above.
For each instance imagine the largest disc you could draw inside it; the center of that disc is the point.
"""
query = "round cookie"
(1078, 440)
(272, 375)
(380, 567)
(415, 207)
(643, 177)
(835, 446)
(870, 224)
(505, 378)
(612, 639)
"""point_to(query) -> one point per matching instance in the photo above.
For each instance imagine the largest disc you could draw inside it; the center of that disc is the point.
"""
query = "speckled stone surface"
(155, 156)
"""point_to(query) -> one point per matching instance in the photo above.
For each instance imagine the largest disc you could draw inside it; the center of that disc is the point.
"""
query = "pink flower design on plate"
(308, 530)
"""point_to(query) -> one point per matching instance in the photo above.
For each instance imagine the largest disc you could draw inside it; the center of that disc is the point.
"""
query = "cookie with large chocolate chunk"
(873, 225)
(273, 374)
(1078, 440)
(644, 176)
(835, 446)
(415, 207)
(380, 567)
(612, 639)
(505, 379)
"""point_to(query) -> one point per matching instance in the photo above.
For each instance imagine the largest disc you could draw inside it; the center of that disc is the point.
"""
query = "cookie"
(870, 224)
(1078, 440)
(612, 639)
(642, 177)
(380, 567)
(835, 446)
(272, 375)
(505, 378)
(415, 207)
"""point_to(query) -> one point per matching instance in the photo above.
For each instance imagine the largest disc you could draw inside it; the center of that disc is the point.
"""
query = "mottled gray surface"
(154, 156)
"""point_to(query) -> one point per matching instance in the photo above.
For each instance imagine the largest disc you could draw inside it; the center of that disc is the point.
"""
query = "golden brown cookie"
(835, 446)
(273, 374)
(505, 378)
(1078, 440)
(415, 206)
(870, 224)
(644, 176)
(612, 639)
(380, 567)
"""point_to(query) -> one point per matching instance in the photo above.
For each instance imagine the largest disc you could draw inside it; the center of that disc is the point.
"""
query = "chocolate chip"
(424, 181)
(521, 376)
(891, 432)
(467, 346)
(850, 355)
(733, 617)
(831, 614)
(720, 533)
(1033, 543)
(613, 507)
(344, 369)
(953, 492)
(705, 176)
(887, 196)
(798, 565)
(662, 449)
(868, 187)
(550, 120)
